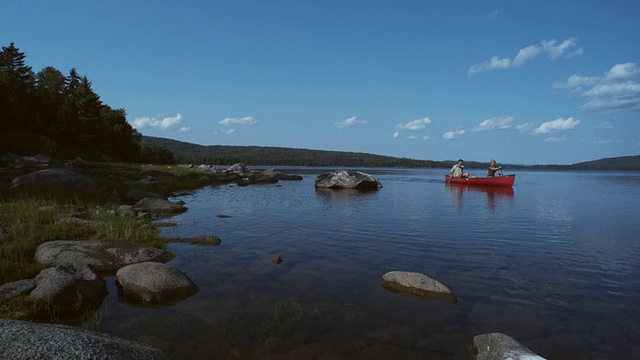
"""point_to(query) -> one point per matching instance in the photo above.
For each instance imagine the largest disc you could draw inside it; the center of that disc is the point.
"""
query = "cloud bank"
(556, 125)
(495, 123)
(615, 90)
(551, 48)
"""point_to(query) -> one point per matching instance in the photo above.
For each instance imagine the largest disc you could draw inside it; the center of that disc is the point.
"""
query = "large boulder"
(240, 169)
(70, 287)
(418, 286)
(59, 179)
(154, 283)
(343, 179)
(26, 340)
(497, 346)
(104, 256)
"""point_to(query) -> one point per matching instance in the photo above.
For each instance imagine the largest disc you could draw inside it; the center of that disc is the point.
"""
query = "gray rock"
(417, 285)
(62, 179)
(159, 207)
(239, 168)
(342, 179)
(70, 287)
(104, 256)
(81, 221)
(16, 288)
(497, 346)
(154, 283)
(280, 175)
(25, 340)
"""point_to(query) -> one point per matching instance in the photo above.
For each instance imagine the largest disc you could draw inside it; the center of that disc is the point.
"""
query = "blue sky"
(527, 82)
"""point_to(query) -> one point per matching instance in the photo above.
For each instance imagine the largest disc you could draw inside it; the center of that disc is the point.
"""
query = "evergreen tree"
(17, 83)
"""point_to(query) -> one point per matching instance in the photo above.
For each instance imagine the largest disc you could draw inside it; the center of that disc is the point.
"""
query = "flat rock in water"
(25, 340)
(418, 286)
(104, 256)
(497, 346)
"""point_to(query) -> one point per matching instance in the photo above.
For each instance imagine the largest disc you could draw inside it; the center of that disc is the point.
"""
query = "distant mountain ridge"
(189, 153)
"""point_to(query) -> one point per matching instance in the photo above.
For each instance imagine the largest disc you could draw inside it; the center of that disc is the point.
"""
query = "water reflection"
(342, 194)
(493, 192)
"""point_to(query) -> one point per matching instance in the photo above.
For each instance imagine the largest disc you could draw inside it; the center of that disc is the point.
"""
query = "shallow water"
(554, 263)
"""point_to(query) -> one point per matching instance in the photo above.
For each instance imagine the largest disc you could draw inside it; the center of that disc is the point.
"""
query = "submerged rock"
(498, 346)
(418, 286)
(342, 179)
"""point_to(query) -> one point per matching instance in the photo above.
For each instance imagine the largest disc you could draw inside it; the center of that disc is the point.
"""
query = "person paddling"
(493, 168)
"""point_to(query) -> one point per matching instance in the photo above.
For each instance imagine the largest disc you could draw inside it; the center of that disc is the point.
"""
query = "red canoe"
(505, 180)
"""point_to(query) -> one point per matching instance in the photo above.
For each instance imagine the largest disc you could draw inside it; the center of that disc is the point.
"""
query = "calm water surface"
(554, 263)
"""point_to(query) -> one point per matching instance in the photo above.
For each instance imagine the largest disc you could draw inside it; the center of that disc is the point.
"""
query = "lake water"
(553, 263)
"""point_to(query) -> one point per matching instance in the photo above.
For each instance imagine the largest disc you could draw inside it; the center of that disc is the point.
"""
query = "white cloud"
(530, 52)
(412, 137)
(427, 137)
(612, 97)
(556, 125)
(396, 134)
(555, 139)
(415, 125)
(576, 82)
(616, 90)
(452, 134)
(563, 50)
(495, 123)
(184, 129)
(350, 121)
(166, 123)
(622, 73)
(247, 120)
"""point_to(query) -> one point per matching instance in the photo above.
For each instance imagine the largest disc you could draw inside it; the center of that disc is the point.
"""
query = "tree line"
(50, 113)
(188, 153)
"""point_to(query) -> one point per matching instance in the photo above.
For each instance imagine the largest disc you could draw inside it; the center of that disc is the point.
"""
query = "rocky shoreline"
(73, 276)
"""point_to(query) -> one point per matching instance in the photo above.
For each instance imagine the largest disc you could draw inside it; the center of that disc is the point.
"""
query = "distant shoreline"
(260, 156)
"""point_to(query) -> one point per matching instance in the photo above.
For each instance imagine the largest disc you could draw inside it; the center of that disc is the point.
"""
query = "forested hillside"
(258, 155)
(50, 113)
